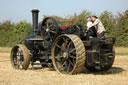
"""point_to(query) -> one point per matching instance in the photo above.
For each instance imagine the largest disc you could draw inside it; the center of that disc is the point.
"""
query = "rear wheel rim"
(65, 55)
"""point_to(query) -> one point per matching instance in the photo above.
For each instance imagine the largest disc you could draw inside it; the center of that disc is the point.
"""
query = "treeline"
(14, 33)
(116, 26)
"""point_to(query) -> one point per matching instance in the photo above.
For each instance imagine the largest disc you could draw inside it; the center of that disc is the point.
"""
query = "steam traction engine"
(67, 48)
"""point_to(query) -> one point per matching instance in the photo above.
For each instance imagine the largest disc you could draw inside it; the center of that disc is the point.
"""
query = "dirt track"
(118, 75)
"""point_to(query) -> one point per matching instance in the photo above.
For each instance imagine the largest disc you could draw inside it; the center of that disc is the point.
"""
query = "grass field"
(5, 50)
(119, 50)
(117, 75)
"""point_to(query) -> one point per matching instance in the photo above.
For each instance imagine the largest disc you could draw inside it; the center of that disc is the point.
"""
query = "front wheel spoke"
(20, 67)
(15, 58)
(15, 61)
(18, 58)
(20, 64)
(21, 53)
(14, 55)
(18, 54)
(19, 50)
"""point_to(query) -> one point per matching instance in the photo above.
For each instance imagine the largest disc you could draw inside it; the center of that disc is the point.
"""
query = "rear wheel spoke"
(72, 57)
(74, 61)
(61, 68)
(72, 50)
(58, 46)
(68, 69)
(64, 39)
(58, 58)
(63, 63)
(70, 62)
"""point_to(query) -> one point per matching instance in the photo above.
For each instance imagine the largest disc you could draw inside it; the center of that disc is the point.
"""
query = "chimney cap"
(35, 10)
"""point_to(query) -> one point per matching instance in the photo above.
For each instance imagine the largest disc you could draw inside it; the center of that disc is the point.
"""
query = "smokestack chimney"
(35, 20)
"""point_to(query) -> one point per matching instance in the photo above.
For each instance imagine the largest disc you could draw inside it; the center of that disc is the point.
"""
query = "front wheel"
(20, 57)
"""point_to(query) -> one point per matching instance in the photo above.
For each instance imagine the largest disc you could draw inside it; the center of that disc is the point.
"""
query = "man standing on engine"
(98, 26)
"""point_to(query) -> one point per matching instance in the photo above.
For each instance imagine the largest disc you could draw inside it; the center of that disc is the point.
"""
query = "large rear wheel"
(20, 57)
(68, 54)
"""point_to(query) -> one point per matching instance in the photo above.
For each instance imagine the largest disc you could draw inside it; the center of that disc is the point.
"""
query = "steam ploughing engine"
(67, 48)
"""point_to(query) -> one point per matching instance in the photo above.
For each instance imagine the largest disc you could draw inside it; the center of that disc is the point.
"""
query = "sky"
(17, 10)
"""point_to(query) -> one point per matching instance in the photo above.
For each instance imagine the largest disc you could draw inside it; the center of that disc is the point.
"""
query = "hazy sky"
(16, 10)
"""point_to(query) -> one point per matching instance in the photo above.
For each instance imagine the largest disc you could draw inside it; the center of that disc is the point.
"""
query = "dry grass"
(119, 50)
(5, 50)
(118, 75)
